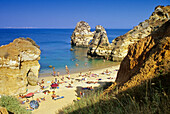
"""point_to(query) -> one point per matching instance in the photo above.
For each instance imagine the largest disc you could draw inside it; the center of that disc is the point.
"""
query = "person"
(55, 80)
(52, 82)
(54, 72)
(62, 78)
(107, 71)
(58, 73)
(107, 59)
(68, 76)
(77, 65)
(80, 74)
(67, 70)
(42, 81)
(81, 94)
(85, 64)
(71, 82)
(103, 60)
(38, 100)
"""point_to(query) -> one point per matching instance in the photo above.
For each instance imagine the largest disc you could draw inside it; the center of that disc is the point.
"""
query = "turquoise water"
(55, 48)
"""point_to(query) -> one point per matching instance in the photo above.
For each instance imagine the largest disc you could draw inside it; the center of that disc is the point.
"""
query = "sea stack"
(82, 35)
(121, 43)
(19, 66)
(99, 46)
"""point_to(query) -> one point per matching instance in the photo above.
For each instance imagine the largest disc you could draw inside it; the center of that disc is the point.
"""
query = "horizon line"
(49, 28)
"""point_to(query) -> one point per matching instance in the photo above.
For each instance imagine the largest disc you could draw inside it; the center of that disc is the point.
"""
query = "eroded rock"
(82, 35)
(16, 60)
(146, 59)
(99, 46)
(121, 43)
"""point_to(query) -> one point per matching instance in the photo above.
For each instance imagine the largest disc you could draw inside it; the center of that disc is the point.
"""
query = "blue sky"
(66, 13)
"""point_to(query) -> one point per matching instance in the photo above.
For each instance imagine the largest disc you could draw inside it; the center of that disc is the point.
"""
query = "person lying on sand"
(107, 72)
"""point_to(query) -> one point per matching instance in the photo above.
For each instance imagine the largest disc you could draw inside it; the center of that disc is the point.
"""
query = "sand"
(50, 106)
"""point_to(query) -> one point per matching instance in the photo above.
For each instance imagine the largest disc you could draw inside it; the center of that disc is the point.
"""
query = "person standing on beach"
(58, 73)
(67, 70)
(54, 72)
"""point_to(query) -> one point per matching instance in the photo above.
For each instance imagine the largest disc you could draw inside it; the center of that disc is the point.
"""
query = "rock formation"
(121, 43)
(146, 59)
(100, 46)
(3, 110)
(18, 66)
(81, 35)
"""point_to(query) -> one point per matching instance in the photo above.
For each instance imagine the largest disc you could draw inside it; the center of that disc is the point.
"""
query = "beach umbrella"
(29, 95)
(34, 104)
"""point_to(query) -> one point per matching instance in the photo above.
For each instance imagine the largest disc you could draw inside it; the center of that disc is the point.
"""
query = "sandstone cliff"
(81, 35)
(18, 66)
(121, 43)
(100, 46)
(146, 59)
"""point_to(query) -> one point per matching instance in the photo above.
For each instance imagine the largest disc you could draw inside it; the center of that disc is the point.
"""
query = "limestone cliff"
(146, 59)
(121, 43)
(82, 35)
(100, 46)
(18, 63)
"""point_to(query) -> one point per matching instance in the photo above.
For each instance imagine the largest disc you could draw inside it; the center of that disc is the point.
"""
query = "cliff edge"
(19, 66)
(121, 43)
(146, 59)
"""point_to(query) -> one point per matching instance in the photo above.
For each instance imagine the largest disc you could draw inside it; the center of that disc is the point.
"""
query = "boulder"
(121, 43)
(17, 59)
(32, 79)
(82, 35)
(99, 46)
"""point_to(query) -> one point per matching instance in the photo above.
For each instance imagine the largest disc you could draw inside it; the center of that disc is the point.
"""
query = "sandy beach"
(52, 106)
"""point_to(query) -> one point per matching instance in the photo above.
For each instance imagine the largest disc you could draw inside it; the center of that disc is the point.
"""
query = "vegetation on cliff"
(148, 98)
(12, 105)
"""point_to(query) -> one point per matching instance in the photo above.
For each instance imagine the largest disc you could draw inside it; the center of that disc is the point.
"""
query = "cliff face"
(146, 59)
(81, 35)
(121, 43)
(99, 46)
(18, 66)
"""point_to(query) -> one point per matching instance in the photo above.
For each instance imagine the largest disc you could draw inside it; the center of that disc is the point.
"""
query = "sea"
(55, 48)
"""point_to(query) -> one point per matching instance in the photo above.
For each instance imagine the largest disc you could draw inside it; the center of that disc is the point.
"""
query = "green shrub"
(151, 97)
(12, 105)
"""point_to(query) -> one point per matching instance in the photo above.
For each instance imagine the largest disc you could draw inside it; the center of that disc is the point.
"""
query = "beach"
(96, 77)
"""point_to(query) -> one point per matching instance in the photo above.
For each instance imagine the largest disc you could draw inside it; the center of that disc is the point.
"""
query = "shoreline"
(79, 70)
(53, 106)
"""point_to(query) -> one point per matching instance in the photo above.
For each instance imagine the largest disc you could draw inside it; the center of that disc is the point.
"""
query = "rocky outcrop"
(82, 35)
(3, 110)
(100, 46)
(146, 59)
(121, 43)
(18, 61)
